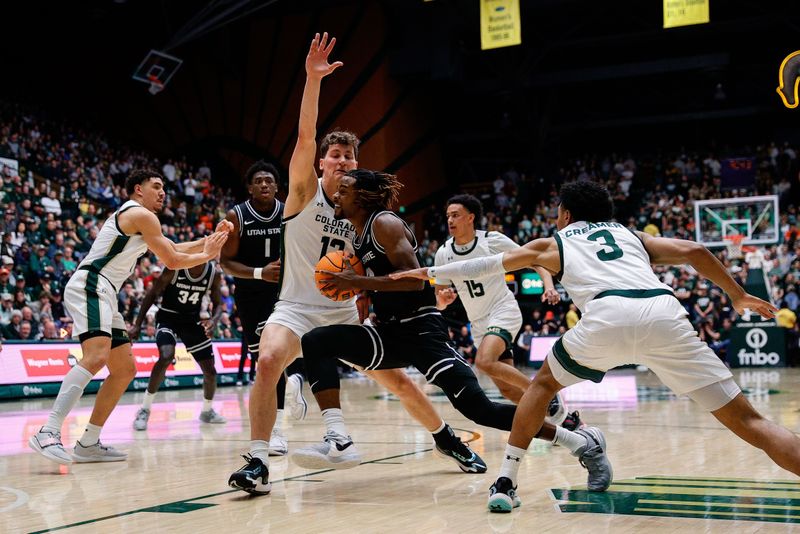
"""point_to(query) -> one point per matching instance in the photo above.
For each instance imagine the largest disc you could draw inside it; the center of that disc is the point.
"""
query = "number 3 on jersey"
(607, 241)
(327, 243)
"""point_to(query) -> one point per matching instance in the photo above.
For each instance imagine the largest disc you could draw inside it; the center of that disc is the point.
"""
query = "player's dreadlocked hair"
(375, 190)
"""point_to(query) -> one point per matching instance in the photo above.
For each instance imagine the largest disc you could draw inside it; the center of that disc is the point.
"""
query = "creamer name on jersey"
(261, 231)
(591, 226)
(334, 227)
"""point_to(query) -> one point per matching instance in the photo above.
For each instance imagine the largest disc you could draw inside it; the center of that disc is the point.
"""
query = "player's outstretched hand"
(317, 65)
(224, 226)
(445, 297)
(213, 243)
(754, 304)
(421, 274)
(551, 297)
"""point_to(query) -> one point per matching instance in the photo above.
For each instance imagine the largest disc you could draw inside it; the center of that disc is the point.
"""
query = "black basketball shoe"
(252, 478)
(503, 496)
(461, 454)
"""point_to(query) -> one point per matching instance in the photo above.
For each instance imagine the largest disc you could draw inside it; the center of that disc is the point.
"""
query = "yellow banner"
(500, 24)
(685, 12)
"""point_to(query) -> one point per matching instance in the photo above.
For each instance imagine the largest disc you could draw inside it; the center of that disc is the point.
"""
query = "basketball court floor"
(676, 469)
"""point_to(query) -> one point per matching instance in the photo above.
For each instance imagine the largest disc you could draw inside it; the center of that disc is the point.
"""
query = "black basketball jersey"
(184, 294)
(391, 305)
(259, 243)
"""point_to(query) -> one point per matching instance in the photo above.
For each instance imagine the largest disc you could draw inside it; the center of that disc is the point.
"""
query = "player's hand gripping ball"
(332, 263)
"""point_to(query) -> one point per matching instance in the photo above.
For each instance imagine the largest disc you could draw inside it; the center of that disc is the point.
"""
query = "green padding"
(634, 293)
(502, 333)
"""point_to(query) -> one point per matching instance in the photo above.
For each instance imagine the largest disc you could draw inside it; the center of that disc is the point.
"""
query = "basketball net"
(734, 246)
(155, 85)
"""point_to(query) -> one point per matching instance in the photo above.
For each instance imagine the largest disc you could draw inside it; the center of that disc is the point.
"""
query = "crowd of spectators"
(60, 182)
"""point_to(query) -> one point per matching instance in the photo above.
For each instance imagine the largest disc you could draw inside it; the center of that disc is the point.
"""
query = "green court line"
(658, 502)
(633, 484)
(713, 479)
(709, 513)
(175, 506)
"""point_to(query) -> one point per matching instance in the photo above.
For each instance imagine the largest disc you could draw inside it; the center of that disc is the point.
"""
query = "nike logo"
(340, 447)
(460, 392)
(248, 222)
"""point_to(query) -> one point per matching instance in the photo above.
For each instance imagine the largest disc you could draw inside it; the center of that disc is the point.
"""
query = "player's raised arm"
(302, 176)
(668, 251)
(146, 223)
(542, 252)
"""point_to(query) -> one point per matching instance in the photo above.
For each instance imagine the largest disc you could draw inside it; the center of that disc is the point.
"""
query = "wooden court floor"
(676, 469)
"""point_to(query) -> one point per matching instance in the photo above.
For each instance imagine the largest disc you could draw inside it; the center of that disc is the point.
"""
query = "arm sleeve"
(469, 269)
(500, 242)
(439, 261)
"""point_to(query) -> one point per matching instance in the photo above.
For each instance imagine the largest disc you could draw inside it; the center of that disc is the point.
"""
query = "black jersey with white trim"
(184, 294)
(259, 243)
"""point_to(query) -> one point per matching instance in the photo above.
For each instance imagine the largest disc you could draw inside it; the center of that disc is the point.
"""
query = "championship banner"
(685, 12)
(500, 24)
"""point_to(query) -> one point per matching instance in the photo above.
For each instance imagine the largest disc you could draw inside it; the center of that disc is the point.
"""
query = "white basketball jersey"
(305, 238)
(479, 297)
(606, 256)
(114, 254)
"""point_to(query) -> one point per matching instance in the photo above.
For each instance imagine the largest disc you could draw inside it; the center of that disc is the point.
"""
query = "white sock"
(91, 435)
(511, 462)
(260, 449)
(206, 404)
(148, 400)
(566, 438)
(278, 426)
(68, 396)
(334, 421)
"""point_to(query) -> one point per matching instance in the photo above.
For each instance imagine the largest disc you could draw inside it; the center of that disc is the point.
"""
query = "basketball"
(336, 261)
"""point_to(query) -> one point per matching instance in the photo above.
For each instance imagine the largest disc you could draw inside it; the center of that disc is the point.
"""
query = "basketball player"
(309, 232)
(90, 297)
(409, 329)
(252, 256)
(491, 307)
(629, 316)
(178, 316)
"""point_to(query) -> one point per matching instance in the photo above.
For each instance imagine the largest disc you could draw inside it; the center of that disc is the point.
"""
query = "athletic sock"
(260, 449)
(148, 400)
(91, 435)
(571, 440)
(511, 461)
(68, 396)
(278, 426)
(334, 421)
(207, 404)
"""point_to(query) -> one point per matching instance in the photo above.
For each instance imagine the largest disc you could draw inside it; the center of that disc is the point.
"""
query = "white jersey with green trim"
(605, 256)
(305, 238)
(479, 297)
(114, 254)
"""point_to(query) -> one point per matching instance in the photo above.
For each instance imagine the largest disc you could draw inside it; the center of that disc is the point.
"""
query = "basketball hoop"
(733, 243)
(155, 85)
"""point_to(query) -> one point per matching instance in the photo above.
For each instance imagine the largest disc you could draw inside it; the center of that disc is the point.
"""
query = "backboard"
(756, 218)
(156, 70)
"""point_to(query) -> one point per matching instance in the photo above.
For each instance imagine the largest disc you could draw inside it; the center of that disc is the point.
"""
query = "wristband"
(257, 273)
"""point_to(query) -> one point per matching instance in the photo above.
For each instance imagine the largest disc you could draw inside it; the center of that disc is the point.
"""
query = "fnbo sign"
(756, 345)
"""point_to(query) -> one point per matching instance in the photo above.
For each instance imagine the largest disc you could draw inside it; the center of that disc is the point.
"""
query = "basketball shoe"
(463, 456)
(49, 445)
(503, 496)
(142, 416)
(335, 452)
(97, 453)
(593, 457)
(210, 416)
(572, 421)
(253, 477)
(298, 406)
(278, 444)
